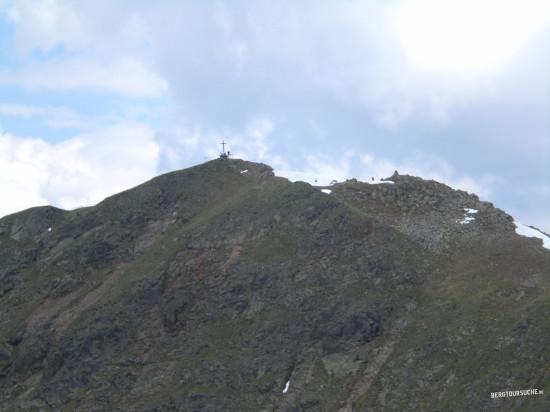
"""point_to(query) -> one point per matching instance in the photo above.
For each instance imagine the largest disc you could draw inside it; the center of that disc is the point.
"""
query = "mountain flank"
(223, 287)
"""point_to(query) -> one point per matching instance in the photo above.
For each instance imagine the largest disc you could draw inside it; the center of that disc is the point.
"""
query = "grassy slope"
(211, 288)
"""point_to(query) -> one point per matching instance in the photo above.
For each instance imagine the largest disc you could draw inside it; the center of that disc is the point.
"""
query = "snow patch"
(467, 219)
(285, 390)
(327, 191)
(381, 182)
(244, 171)
(527, 231)
(49, 229)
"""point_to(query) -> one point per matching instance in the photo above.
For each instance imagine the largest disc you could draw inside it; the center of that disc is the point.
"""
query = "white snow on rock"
(327, 191)
(285, 390)
(527, 231)
(467, 219)
(379, 182)
(244, 171)
(49, 229)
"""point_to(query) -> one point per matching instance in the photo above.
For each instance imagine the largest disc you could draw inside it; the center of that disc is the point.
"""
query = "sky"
(99, 96)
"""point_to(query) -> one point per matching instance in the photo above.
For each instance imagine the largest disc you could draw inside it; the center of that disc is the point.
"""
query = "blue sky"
(97, 96)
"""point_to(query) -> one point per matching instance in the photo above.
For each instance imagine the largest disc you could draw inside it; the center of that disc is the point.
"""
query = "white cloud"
(321, 170)
(180, 145)
(240, 48)
(77, 172)
(45, 24)
(340, 69)
(431, 167)
(125, 75)
(316, 170)
(434, 35)
(258, 142)
(56, 117)
(21, 174)
(258, 132)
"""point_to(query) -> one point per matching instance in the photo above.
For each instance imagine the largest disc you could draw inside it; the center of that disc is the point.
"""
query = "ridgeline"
(225, 288)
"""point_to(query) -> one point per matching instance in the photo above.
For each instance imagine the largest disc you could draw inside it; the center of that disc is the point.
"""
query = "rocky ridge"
(217, 287)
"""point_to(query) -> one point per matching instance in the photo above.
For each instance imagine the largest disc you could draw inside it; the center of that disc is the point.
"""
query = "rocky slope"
(224, 288)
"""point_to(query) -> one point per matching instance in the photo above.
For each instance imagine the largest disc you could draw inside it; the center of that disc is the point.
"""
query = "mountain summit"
(225, 288)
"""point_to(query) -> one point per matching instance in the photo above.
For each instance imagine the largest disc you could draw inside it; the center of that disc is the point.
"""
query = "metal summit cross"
(223, 154)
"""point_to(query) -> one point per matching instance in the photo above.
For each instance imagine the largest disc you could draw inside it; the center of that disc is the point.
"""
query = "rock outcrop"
(215, 289)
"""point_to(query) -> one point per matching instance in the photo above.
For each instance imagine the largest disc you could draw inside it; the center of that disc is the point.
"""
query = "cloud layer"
(316, 89)
(77, 172)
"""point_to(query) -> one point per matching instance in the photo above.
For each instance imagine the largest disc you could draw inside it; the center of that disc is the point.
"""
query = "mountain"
(225, 288)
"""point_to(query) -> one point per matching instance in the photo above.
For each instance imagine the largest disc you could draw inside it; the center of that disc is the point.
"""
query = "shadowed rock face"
(209, 289)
